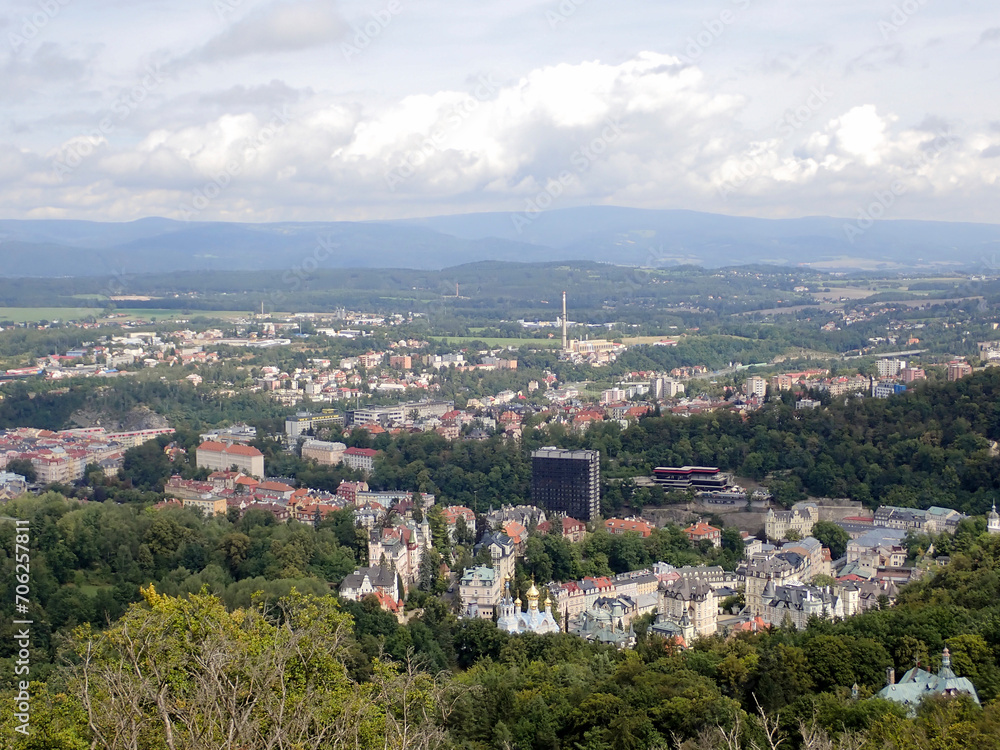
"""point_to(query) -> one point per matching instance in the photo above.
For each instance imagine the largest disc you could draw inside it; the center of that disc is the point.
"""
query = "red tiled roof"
(370, 453)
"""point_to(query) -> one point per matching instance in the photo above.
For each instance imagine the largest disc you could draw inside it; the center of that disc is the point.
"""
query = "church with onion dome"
(514, 620)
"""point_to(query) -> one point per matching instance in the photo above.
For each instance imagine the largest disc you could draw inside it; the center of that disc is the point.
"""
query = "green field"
(499, 342)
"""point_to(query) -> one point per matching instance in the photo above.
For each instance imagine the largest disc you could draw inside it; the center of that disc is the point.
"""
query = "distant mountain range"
(623, 236)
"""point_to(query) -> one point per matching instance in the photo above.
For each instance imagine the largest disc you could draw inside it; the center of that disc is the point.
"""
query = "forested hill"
(929, 446)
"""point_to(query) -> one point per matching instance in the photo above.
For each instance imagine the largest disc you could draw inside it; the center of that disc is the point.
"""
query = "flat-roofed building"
(567, 482)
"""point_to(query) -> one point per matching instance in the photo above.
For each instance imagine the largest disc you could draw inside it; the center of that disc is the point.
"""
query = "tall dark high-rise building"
(567, 482)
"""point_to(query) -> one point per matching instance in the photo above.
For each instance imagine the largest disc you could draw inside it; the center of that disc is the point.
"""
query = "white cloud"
(682, 135)
(279, 27)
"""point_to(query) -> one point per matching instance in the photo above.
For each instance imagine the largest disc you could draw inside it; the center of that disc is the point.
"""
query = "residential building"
(400, 548)
(890, 368)
(382, 583)
(702, 531)
(691, 598)
(361, 459)
(756, 386)
(480, 592)
(571, 529)
(782, 383)
(958, 369)
(323, 452)
(567, 482)
(503, 553)
(208, 505)
(796, 602)
(758, 572)
(400, 362)
(219, 457)
(887, 390)
(12, 485)
(349, 491)
(878, 548)
(455, 512)
(607, 621)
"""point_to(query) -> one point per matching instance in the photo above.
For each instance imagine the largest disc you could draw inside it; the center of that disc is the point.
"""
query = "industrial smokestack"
(565, 342)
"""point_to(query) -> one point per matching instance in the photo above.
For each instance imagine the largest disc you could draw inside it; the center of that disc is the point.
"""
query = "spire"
(946, 672)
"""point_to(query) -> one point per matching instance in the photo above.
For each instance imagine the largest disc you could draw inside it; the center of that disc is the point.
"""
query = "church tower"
(993, 521)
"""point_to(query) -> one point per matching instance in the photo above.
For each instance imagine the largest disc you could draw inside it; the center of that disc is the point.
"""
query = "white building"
(220, 457)
(756, 386)
(890, 368)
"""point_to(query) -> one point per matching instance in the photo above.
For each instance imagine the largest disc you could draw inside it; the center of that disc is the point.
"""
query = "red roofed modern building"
(362, 459)
(220, 457)
(625, 526)
(696, 532)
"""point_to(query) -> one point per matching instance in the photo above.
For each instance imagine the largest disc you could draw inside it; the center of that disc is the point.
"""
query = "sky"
(306, 110)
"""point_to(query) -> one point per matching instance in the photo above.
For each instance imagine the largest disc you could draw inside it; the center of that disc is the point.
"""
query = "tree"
(24, 467)
(185, 673)
(833, 536)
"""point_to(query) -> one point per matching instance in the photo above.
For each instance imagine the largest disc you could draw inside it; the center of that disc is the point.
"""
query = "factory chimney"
(565, 342)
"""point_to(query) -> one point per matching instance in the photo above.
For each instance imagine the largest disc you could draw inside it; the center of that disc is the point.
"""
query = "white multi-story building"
(890, 368)
(362, 459)
(220, 457)
(756, 386)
